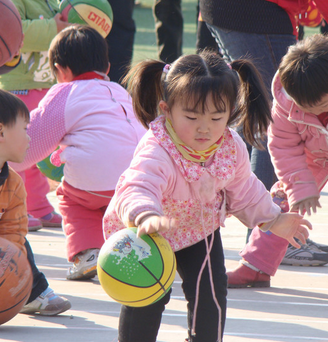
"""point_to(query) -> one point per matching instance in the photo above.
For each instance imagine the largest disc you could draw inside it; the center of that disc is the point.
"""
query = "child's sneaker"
(47, 304)
(34, 224)
(304, 256)
(85, 265)
(51, 220)
(315, 245)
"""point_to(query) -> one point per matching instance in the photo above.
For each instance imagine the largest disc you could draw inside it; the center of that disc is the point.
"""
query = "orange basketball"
(15, 280)
(11, 33)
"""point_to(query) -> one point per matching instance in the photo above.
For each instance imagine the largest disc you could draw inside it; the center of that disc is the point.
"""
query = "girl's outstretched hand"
(290, 226)
(154, 224)
(306, 205)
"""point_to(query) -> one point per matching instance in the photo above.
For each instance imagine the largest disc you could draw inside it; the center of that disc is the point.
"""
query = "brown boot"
(244, 276)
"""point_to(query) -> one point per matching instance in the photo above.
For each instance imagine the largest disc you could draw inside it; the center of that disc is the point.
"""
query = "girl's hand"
(290, 226)
(153, 224)
(306, 205)
(61, 24)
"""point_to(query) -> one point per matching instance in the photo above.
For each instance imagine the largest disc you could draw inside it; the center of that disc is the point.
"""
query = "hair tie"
(166, 68)
(229, 66)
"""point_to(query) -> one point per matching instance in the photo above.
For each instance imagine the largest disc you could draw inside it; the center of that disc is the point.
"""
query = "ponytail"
(253, 106)
(144, 83)
(194, 77)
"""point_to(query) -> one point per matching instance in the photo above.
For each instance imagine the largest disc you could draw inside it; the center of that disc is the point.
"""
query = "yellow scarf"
(187, 152)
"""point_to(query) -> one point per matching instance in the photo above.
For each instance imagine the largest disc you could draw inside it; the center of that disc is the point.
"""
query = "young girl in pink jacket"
(298, 145)
(188, 173)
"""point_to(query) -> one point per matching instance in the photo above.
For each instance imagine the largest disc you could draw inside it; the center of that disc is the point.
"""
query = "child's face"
(15, 140)
(198, 130)
(319, 108)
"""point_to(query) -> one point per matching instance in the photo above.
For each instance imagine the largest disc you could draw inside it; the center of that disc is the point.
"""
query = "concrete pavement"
(294, 309)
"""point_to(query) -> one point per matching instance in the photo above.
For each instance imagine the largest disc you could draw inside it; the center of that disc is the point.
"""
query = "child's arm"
(251, 203)
(13, 221)
(154, 223)
(290, 226)
(38, 33)
(306, 205)
(289, 158)
(246, 197)
(140, 189)
(47, 126)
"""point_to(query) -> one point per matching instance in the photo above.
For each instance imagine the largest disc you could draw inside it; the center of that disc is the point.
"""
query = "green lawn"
(145, 39)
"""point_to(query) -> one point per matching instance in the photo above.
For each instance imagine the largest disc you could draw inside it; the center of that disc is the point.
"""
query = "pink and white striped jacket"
(93, 121)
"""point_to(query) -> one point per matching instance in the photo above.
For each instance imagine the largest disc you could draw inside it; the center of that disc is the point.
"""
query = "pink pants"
(82, 214)
(37, 187)
(36, 183)
(265, 251)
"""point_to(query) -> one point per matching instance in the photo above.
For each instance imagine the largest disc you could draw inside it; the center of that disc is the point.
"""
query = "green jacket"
(39, 29)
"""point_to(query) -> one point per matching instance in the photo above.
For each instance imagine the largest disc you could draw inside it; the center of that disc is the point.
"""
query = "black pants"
(121, 38)
(39, 280)
(169, 29)
(142, 324)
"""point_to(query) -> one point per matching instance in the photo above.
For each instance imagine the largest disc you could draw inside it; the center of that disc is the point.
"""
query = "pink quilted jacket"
(298, 144)
(160, 181)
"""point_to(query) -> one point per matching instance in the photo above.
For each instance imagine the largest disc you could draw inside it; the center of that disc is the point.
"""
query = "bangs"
(24, 113)
(194, 92)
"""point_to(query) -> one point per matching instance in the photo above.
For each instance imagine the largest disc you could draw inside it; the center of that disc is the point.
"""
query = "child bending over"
(297, 140)
(188, 173)
(92, 121)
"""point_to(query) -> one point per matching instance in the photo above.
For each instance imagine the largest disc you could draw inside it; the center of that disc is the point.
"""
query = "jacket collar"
(223, 163)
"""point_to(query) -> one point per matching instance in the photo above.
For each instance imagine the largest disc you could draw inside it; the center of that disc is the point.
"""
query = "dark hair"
(193, 78)
(81, 48)
(304, 70)
(11, 107)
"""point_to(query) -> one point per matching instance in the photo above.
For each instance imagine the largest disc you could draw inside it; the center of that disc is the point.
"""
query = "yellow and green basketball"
(96, 13)
(136, 271)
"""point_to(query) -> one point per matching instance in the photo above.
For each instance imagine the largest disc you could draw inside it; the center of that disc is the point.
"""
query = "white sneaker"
(85, 265)
(47, 304)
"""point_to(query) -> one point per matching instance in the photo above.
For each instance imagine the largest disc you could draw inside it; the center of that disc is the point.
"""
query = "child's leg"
(39, 280)
(189, 261)
(42, 299)
(82, 217)
(265, 251)
(37, 187)
(141, 324)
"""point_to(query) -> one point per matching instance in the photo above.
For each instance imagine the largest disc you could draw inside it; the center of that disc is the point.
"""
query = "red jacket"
(296, 7)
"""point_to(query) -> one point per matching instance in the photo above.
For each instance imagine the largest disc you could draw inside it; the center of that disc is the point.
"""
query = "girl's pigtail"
(144, 83)
(254, 105)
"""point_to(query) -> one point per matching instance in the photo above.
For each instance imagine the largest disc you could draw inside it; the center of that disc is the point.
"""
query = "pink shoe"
(243, 276)
(34, 224)
(51, 220)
